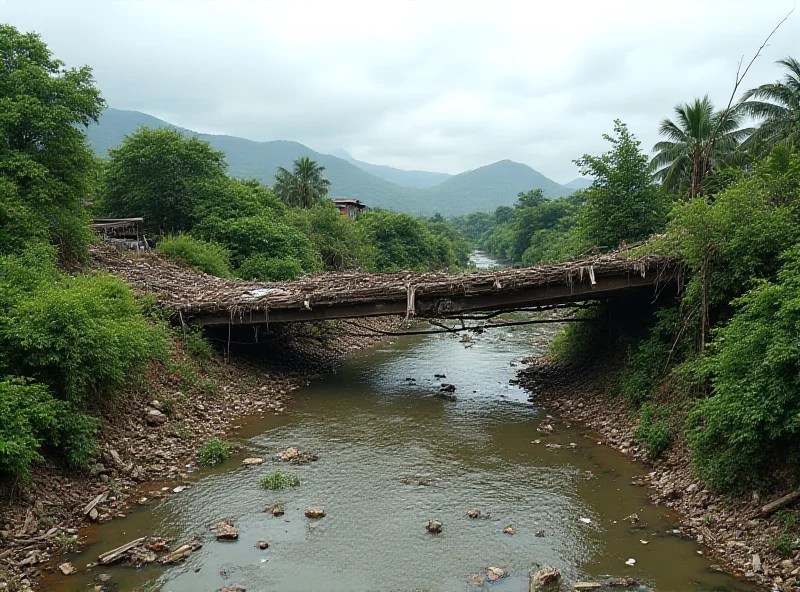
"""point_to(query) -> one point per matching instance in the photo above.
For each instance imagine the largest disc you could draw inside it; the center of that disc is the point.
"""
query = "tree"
(304, 185)
(623, 203)
(777, 106)
(165, 178)
(698, 143)
(44, 162)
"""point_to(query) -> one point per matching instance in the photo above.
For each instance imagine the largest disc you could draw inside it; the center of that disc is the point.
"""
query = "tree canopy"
(304, 185)
(44, 162)
(776, 106)
(163, 177)
(623, 204)
(699, 141)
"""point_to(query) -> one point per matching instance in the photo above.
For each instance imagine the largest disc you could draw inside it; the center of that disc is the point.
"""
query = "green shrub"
(197, 345)
(750, 422)
(784, 545)
(653, 431)
(205, 256)
(279, 480)
(270, 269)
(31, 417)
(83, 336)
(213, 452)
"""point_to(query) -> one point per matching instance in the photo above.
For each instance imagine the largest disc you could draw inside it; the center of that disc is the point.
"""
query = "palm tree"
(304, 185)
(777, 106)
(698, 143)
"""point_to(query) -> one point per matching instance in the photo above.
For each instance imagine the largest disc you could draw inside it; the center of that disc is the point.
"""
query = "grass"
(279, 480)
(213, 452)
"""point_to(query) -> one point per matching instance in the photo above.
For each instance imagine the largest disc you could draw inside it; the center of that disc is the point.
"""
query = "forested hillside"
(480, 190)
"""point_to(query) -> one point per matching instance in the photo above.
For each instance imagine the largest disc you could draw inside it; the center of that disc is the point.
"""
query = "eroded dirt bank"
(732, 529)
(150, 435)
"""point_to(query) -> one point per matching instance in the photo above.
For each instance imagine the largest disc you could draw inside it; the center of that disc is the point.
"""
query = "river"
(373, 424)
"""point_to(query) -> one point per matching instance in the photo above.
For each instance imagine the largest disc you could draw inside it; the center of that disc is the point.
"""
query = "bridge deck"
(208, 300)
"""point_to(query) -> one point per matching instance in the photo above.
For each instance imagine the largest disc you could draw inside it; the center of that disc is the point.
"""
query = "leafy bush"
(213, 452)
(83, 336)
(397, 241)
(205, 256)
(197, 345)
(751, 420)
(29, 417)
(653, 431)
(268, 235)
(270, 269)
(649, 356)
(279, 480)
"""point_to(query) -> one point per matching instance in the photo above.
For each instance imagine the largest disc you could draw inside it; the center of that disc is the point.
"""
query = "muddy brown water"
(372, 428)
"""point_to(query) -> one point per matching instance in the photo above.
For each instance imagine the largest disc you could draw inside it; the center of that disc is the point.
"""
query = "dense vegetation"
(622, 205)
(72, 342)
(718, 365)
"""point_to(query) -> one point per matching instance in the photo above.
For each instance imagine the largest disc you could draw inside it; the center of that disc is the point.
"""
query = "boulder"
(495, 573)
(155, 418)
(474, 513)
(544, 578)
(252, 462)
(315, 512)
(434, 526)
(226, 531)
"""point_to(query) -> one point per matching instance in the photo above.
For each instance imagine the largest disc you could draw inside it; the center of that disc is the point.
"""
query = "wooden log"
(99, 499)
(114, 554)
(780, 503)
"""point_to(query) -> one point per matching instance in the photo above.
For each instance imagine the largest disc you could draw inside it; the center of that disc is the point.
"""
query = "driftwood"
(99, 499)
(780, 503)
(115, 554)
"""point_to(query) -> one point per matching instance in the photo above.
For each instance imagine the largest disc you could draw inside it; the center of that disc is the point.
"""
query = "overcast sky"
(434, 85)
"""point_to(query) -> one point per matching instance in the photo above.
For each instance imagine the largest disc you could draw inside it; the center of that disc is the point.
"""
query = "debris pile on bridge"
(195, 294)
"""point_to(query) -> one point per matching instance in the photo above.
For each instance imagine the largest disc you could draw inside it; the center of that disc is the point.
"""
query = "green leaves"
(623, 204)
(44, 163)
(165, 178)
(304, 186)
(205, 256)
(750, 422)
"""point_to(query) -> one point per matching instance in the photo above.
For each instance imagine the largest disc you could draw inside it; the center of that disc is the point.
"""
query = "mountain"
(493, 185)
(579, 183)
(404, 178)
(482, 189)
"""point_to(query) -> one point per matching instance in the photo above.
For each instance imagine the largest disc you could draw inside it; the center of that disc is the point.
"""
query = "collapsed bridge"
(202, 299)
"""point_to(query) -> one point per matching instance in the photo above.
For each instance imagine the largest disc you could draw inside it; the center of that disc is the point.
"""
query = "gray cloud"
(427, 85)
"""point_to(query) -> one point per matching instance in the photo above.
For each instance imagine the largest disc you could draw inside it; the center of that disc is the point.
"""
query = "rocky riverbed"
(149, 439)
(731, 529)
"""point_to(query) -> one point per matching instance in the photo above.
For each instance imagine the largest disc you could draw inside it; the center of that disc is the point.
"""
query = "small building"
(122, 233)
(349, 207)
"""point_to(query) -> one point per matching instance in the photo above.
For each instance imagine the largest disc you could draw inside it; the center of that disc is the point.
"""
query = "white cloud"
(436, 85)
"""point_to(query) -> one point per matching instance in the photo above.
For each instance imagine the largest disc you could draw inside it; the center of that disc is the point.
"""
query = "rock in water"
(67, 569)
(252, 462)
(495, 573)
(434, 526)
(474, 513)
(549, 576)
(226, 531)
(509, 530)
(262, 545)
(315, 512)
(290, 453)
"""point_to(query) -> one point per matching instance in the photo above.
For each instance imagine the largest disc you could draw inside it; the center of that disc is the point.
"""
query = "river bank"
(150, 435)
(732, 529)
